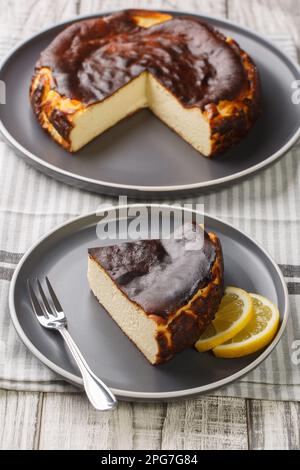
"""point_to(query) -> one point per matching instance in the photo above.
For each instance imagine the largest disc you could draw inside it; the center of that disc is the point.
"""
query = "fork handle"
(98, 393)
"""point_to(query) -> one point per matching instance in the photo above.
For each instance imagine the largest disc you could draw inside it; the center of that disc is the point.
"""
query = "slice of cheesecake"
(100, 70)
(160, 293)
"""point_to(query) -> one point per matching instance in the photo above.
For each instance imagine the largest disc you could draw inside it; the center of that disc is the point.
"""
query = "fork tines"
(44, 305)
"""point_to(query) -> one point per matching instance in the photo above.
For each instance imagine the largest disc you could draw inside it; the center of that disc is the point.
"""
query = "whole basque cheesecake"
(98, 71)
(161, 293)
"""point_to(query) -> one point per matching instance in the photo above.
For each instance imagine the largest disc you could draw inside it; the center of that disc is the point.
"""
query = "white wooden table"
(67, 421)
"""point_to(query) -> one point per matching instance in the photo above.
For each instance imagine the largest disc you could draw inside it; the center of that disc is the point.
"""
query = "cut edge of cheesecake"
(159, 339)
(139, 327)
(87, 123)
(141, 92)
(73, 124)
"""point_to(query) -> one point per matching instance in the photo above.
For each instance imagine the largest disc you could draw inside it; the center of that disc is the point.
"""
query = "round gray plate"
(163, 163)
(62, 255)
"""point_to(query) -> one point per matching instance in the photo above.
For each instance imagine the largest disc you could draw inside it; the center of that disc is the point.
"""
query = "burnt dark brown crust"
(184, 329)
(179, 289)
(160, 275)
(240, 115)
(92, 59)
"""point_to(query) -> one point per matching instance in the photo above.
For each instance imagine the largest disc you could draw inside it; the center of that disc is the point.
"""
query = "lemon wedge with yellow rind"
(234, 313)
(257, 334)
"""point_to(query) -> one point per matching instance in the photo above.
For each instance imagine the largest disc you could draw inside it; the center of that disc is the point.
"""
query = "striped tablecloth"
(267, 207)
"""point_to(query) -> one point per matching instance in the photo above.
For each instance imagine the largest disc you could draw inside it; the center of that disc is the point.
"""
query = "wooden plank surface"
(273, 425)
(206, 423)
(49, 421)
(19, 419)
(69, 422)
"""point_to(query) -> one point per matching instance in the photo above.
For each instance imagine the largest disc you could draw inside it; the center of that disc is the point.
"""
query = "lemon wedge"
(258, 332)
(234, 313)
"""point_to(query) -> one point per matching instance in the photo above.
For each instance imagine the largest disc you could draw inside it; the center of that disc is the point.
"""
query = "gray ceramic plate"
(163, 163)
(62, 254)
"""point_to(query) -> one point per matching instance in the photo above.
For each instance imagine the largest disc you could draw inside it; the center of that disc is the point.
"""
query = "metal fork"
(50, 314)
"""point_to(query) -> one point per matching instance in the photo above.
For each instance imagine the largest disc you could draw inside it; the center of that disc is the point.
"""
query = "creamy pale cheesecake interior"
(161, 295)
(143, 91)
(98, 71)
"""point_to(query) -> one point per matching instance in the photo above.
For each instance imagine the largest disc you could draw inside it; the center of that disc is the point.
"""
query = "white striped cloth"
(267, 207)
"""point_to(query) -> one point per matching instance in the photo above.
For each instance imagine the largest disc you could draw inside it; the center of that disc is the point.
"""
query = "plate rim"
(128, 394)
(74, 178)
